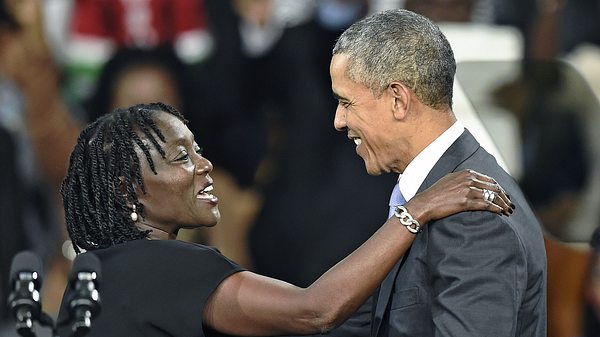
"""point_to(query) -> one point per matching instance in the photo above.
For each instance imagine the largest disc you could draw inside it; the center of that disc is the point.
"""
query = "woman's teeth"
(204, 193)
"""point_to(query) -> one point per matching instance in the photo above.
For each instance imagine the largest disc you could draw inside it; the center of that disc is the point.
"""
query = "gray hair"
(399, 45)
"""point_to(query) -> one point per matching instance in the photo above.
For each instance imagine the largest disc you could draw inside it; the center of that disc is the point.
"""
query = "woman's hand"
(458, 192)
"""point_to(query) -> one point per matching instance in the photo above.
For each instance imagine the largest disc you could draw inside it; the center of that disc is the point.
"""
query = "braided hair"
(104, 171)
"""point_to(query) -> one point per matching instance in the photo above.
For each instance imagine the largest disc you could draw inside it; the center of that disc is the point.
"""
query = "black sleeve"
(189, 274)
(154, 288)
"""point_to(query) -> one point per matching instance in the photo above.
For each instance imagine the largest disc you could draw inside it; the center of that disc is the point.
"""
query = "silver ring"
(489, 195)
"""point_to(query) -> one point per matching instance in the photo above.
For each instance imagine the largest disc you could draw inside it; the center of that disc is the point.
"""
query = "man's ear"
(401, 96)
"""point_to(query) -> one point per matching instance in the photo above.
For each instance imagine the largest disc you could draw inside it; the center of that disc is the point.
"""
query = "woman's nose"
(203, 166)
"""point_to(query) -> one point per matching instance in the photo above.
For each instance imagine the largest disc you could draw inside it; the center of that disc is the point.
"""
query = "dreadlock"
(104, 171)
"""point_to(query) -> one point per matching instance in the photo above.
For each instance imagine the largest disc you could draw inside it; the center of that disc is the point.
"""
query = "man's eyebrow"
(338, 97)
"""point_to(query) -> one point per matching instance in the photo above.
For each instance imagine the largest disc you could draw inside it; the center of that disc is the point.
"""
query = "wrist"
(418, 211)
(407, 220)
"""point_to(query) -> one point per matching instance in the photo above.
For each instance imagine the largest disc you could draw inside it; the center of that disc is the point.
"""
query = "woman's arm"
(253, 305)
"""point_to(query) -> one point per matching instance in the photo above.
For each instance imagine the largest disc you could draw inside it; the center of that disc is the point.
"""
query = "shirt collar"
(418, 169)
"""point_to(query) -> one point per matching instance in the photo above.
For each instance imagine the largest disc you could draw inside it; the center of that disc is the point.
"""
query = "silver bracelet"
(407, 220)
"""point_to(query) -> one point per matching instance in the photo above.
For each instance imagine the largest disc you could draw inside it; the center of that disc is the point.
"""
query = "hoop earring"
(133, 215)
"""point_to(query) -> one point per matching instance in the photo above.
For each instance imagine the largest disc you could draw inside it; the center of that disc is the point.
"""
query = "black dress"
(154, 288)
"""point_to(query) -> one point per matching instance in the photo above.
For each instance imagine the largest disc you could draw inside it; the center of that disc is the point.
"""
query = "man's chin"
(372, 171)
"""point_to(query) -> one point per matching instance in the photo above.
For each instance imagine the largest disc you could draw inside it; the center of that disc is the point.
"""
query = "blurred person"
(473, 274)
(440, 11)
(100, 28)
(36, 137)
(141, 75)
(137, 176)
(260, 44)
(551, 111)
(552, 133)
(551, 28)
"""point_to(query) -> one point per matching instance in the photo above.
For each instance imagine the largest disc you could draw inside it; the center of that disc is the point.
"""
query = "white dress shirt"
(418, 169)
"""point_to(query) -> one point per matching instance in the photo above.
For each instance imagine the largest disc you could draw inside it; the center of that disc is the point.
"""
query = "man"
(471, 274)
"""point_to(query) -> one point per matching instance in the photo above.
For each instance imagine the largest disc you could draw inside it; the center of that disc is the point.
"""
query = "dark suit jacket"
(471, 274)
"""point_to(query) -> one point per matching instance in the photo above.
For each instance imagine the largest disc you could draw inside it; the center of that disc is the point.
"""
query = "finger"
(500, 202)
(505, 197)
(482, 181)
(497, 202)
(501, 194)
(494, 187)
(481, 176)
(499, 197)
(484, 205)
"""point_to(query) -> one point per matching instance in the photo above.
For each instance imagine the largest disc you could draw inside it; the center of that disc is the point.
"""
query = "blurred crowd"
(252, 78)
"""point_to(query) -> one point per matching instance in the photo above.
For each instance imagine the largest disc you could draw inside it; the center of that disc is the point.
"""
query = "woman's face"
(180, 194)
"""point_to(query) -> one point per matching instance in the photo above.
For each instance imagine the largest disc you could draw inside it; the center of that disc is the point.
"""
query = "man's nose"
(339, 121)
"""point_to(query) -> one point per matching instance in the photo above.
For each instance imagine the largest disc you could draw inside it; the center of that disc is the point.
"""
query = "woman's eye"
(182, 156)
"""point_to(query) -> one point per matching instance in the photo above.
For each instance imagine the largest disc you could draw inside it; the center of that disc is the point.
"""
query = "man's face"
(367, 120)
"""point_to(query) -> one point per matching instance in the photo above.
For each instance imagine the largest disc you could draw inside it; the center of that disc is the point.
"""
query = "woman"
(136, 177)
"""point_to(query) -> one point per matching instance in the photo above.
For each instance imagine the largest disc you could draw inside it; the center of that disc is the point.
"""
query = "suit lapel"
(457, 153)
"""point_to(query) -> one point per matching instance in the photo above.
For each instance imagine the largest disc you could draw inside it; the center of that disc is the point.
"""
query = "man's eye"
(345, 104)
(199, 150)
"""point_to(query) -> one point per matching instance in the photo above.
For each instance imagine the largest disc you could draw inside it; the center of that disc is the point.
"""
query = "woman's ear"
(122, 189)
(401, 96)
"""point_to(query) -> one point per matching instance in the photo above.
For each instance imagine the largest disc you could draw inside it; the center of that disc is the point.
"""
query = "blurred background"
(252, 77)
